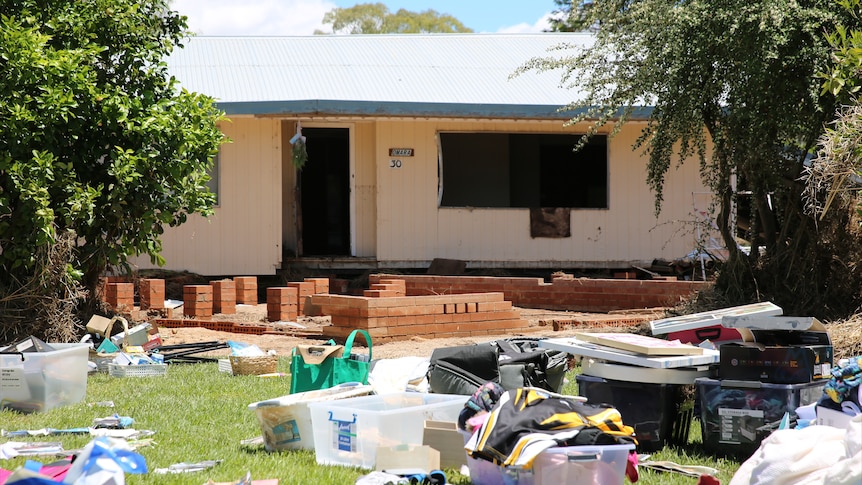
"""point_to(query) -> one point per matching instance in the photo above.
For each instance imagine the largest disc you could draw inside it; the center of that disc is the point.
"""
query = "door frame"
(351, 180)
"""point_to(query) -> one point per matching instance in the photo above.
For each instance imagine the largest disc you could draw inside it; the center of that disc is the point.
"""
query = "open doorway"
(324, 184)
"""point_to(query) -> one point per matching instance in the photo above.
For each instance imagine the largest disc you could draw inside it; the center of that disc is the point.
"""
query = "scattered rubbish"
(104, 461)
(104, 404)
(116, 421)
(380, 478)
(172, 304)
(44, 432)
(671, 467)
(183, 353)
(187, 467)
(11, 449)
(246, 480)
(29, 344)
(256, 441)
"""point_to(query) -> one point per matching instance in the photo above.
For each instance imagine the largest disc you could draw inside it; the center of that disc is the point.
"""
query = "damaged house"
(415, 147)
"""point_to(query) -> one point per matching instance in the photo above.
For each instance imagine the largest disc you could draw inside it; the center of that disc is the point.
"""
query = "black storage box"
(779, 357)
(736, 415)
(659, 413)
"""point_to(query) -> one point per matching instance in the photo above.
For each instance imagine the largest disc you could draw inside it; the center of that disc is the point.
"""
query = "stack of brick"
(386, 287)
(120, 296)
(391, 318)
(198, 300)
(224, 296)
(246, 290)
(321, 285)
(282, 303)
(152, 292)
(563, 293)
(304, 289)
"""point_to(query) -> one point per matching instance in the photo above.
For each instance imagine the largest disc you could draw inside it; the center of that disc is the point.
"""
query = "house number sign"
(398, 152)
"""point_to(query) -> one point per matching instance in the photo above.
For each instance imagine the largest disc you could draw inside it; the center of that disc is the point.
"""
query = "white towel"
(812, 455)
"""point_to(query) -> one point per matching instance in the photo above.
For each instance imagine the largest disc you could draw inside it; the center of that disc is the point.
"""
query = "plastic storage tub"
(737, 415)
(349, 431)
(39, 381)
(659, 413)
(595, 465)
(285, 422)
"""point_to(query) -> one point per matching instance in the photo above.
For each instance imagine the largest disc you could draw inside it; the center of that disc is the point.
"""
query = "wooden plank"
(707, 319)
(575, 346)
(640, 343)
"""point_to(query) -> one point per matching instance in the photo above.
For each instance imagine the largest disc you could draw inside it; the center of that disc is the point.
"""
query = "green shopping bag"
(313, 368)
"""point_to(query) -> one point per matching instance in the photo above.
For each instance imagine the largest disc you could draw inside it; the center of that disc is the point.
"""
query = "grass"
(201, 414)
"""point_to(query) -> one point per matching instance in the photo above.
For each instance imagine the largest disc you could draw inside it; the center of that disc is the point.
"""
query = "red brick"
(321, 285)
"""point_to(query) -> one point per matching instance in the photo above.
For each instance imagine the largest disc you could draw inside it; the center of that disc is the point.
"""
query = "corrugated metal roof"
(377, 75)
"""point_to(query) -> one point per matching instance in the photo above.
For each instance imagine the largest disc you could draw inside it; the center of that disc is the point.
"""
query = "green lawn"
(199, 413)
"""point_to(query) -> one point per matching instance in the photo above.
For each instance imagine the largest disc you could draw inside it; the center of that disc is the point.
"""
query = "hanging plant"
(300, 154)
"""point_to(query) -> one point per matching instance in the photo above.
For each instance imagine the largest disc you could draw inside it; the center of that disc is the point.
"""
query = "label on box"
(739, 425)
(286, 432)
(344, 436)
(13, 385)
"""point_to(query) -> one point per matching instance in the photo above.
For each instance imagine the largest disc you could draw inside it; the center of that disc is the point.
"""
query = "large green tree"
(734, 85)
(99, 147)
(375, 18)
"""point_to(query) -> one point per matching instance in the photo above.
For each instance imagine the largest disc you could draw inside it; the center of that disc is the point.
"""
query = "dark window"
(523, 170)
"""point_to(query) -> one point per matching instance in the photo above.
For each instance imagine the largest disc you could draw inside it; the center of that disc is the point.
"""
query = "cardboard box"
(778, 349)
(776, 364)
(444, 437)
(403, 456)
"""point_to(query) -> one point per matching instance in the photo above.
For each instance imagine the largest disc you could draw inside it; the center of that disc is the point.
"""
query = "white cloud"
(540, 26)
(261, 17)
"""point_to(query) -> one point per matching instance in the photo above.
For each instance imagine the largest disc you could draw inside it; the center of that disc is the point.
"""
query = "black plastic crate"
(660, 414)
(737, 415)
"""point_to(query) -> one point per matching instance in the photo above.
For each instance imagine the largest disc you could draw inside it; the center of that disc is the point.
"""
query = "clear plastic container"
(349, 431)
(40, 381)
(285, 422)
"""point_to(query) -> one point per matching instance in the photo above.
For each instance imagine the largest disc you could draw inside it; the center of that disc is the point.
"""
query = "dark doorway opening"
(324, 183)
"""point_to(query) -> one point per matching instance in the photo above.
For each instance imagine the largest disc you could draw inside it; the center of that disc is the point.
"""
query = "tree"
(836, 172)
(375, 18)
(570, 16)
(98, 145)
(733, 85)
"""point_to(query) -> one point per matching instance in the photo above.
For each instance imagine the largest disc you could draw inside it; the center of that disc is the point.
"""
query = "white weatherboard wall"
(411, 227)
(243, 237)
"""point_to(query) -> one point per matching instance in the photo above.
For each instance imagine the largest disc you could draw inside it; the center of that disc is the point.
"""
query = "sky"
(303, 17)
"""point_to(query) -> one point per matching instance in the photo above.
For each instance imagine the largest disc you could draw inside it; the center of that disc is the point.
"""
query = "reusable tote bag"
(321, 367)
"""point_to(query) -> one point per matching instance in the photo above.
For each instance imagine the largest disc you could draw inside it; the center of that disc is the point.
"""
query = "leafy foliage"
(733, 86)
(375, 18)
(836, 172)
(95, 138)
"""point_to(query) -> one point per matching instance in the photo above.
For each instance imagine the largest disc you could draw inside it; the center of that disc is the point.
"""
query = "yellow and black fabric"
(527, 421)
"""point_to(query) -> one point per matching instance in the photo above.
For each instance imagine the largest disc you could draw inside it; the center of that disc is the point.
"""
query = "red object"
(632, 467)
(708, 480)
(713, 333)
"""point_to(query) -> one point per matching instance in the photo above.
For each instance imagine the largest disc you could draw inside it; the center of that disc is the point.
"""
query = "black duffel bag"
(513, 363)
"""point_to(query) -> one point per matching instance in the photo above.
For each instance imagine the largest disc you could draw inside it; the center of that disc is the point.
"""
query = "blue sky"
(302, 17)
